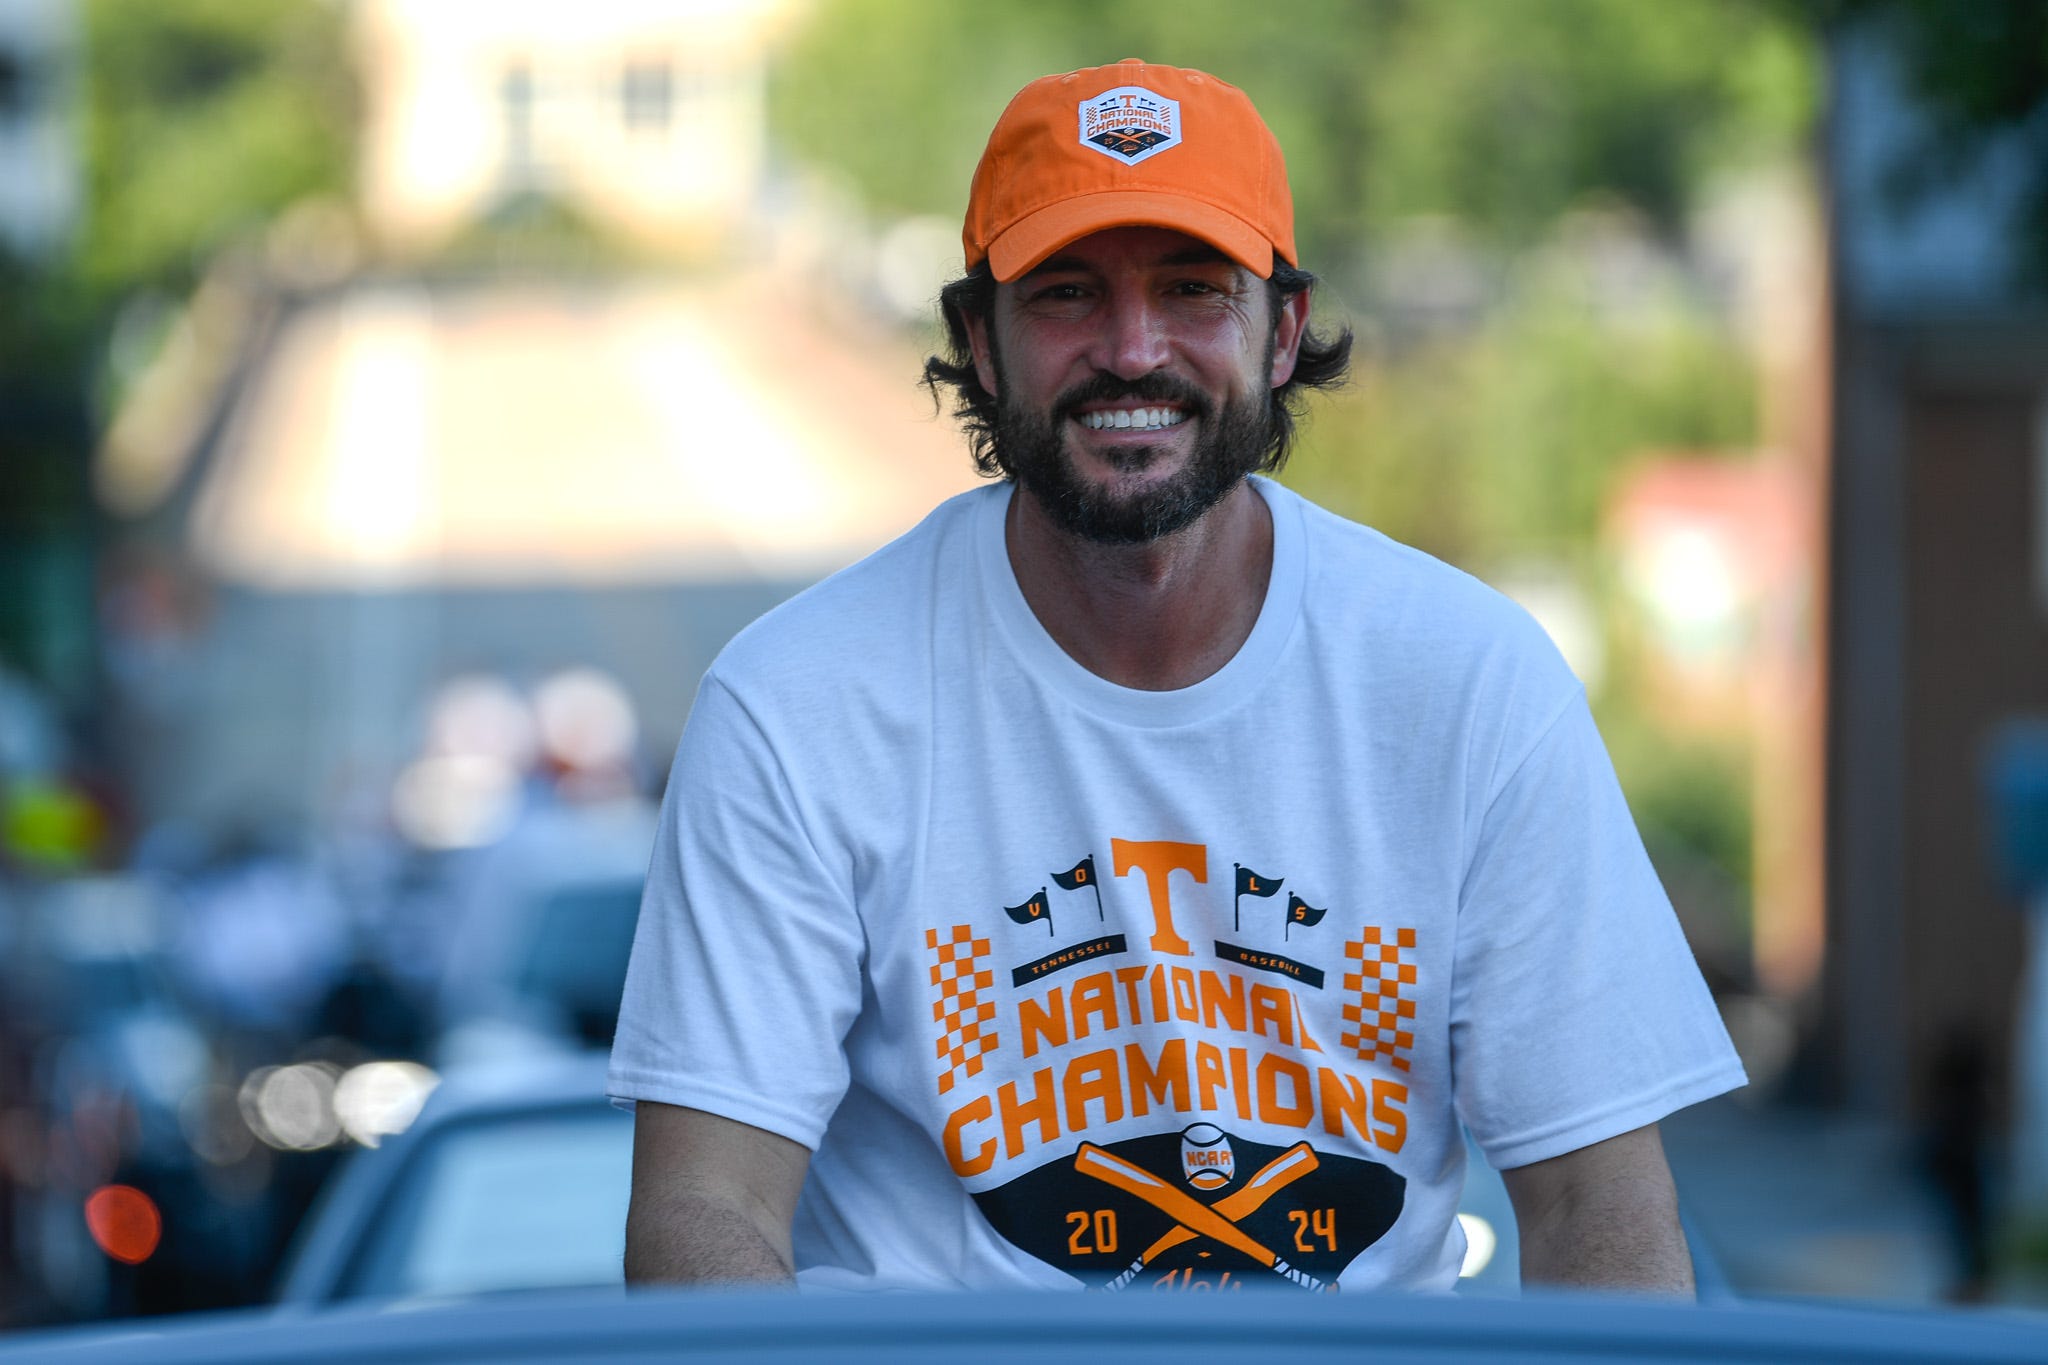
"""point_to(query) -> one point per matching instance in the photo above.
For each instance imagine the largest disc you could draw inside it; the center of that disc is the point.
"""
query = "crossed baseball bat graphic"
(1218, 1221)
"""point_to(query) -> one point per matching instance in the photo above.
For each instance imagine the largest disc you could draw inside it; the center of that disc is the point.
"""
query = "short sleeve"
(746, 966)
(1577, 1011)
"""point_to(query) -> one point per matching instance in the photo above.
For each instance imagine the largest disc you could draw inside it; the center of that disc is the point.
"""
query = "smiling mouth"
(1131, 419)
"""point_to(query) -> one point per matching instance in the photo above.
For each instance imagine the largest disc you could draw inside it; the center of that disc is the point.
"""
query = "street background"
(401, 401)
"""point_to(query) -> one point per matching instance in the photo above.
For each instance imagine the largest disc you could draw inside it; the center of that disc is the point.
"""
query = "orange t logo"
(1158, 860)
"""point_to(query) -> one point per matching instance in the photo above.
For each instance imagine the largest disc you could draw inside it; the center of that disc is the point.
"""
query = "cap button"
(1132, 61)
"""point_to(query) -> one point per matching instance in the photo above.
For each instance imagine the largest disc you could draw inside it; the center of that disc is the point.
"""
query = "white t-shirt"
(1067, 983)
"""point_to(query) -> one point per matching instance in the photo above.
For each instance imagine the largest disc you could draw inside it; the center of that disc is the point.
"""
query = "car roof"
(540, 1082)
(1017, 1327)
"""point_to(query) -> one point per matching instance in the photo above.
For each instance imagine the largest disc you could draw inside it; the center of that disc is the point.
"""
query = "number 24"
(1322, 1223)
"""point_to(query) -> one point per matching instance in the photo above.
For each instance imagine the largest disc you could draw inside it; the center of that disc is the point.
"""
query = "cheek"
(1034, 370)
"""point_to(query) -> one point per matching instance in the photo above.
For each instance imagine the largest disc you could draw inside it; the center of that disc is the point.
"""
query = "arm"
(712, 1200)
(1603, 1217)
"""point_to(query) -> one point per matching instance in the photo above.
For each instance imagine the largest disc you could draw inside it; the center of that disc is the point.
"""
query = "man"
(1133, 876)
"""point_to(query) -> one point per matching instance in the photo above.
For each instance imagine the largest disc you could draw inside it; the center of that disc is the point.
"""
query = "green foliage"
(200, 119)
(1691, 801)
(1505, 442)
(1499, 112)
(203, 118)
(1506, 114)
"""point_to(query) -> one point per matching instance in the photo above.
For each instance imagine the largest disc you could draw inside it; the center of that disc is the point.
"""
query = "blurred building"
(363, 472)
(1939, 622)
(407, 482)
(647, 116)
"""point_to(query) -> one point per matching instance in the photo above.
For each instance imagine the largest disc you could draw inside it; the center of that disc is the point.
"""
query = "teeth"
(1146, 419)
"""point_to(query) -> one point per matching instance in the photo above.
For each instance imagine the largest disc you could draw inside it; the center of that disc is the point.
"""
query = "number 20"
(1102, 1223)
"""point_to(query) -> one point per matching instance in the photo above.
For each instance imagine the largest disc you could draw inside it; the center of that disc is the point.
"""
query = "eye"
(1057, 292)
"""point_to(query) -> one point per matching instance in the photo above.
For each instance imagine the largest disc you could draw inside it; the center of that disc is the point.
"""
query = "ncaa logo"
(1205, 1158)
(1130, 123)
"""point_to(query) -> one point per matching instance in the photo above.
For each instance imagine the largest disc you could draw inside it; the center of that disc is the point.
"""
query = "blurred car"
(538, 958)
(511, 1178)
(516, 1177)
(105, 1066)
(517, 1180)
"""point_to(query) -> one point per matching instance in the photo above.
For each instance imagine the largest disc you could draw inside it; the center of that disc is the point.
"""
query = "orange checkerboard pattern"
(1382, 1024)
(963, 1016)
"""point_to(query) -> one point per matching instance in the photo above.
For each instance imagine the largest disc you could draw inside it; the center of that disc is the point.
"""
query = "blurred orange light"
(124, 1221)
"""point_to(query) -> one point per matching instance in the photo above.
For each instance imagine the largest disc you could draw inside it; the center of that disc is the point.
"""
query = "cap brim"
(1033, 238)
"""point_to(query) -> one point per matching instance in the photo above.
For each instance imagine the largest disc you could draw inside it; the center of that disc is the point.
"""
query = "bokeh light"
(292, 1107)
(586, 719)
(452, 801)
(1480, 1243)
(124, 1223)
(381, 1099)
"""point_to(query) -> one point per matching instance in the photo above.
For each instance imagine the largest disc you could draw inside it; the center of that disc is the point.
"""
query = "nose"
(1132, 341)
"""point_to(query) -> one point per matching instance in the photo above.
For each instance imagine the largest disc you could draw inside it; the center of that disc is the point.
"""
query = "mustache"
(1151, 388)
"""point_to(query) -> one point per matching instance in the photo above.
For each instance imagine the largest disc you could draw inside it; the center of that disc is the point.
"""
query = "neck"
(1158, 616)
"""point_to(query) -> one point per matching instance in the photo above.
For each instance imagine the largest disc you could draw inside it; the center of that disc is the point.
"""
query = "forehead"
(1124, 248)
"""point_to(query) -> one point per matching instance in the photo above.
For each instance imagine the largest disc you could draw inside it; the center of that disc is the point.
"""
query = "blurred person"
(1360, 868)
(427, 832)
(262, 937)
(536, 956)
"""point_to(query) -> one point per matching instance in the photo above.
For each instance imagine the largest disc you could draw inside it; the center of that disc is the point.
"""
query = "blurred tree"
(1503, 444)
(203, 119)
(1497, 112)
(199, 119)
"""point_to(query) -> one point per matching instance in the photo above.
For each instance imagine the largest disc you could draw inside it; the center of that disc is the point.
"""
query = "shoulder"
(1465, 668)
(862, 628)
(1409, 610)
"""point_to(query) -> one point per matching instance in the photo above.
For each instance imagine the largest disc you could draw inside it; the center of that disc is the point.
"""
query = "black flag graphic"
(1301, 912)
(1080, 875)
(1031, 911)
(1250, 883)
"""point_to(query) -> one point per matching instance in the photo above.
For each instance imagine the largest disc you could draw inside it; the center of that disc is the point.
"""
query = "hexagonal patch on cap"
(1130, 123)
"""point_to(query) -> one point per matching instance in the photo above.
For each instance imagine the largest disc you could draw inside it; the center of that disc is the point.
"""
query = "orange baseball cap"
(1129, 145)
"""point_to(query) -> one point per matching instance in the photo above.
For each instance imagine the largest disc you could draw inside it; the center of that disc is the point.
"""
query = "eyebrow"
(1201, 253)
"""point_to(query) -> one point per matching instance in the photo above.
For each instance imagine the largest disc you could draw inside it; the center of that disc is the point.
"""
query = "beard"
(1231, 442)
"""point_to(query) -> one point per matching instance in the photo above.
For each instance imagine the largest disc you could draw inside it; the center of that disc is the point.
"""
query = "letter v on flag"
(1031, 911)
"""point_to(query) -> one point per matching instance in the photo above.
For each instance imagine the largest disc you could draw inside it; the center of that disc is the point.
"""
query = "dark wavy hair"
(1324, 363)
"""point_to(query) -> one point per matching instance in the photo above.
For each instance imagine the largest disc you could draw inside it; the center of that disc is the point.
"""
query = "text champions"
(1234, 1074)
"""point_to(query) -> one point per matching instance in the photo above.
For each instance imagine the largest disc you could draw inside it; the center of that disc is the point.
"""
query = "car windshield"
(535, 1202)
